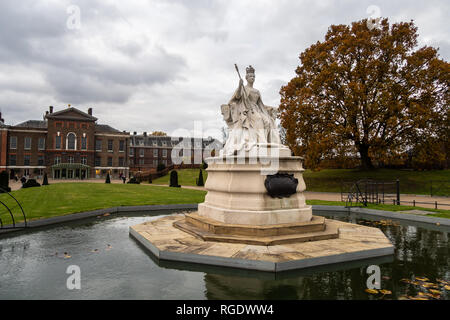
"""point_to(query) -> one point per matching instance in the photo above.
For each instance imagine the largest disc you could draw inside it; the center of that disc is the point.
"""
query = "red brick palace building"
(70, 144)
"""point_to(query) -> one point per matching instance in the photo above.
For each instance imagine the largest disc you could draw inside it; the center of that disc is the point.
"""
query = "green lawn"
(440, 213)
(411, 182)
(186, 177)
(66, 198)
(329, 180)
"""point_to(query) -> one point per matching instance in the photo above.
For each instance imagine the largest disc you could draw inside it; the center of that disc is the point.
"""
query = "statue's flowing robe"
(248, 120)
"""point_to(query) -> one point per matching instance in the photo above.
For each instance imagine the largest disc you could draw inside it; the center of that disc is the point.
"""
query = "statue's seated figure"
(250, 122)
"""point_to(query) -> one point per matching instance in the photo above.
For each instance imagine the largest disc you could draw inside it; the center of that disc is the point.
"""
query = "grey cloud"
(167, 63)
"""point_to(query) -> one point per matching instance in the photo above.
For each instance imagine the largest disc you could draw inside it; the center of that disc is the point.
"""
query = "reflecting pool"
(114, 266)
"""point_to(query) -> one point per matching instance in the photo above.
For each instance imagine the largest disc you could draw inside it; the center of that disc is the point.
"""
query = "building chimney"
(145, 134)
(1, 119)
(135, 133)
(90, 111)
(51, 109)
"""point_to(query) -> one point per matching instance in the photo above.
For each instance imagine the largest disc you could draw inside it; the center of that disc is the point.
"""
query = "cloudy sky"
(166, 64)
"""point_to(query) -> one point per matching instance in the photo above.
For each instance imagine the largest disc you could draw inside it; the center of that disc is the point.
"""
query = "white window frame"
(25, 143)
(11, 139)
(67, 141)
(82, 143)
(39, 144)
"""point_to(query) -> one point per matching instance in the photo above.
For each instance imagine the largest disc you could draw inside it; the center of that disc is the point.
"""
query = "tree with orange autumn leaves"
(368, 91)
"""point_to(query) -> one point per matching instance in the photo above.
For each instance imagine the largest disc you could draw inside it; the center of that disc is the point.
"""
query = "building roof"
(106, 129)
(34, 124)
(71, 114)
(166, 141)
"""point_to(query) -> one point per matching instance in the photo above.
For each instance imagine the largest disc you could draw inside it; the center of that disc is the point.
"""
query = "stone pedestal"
(239, 209)
(237, 192)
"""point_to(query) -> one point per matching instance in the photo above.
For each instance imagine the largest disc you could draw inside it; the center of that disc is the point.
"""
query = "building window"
(121, 162)
(98, 161)
(155, 153)
(121, 146)
(164, 153)
(12, 159)
(110, 162)
(13, 142)
(131, 162)
(83, 143)
(27, 143)
(141, 152)
(40, 160)
(57, 160)
(84, 160)
(58, 142)
(110, 145)
(70, 159)
(26, 160)
(155, 163)
(71, 141)
(98, 145)
(141, 161)
(131, 152)
(165, 162)
(41, 143)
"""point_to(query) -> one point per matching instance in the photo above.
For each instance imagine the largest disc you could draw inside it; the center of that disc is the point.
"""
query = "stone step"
(330, 232)
(219, 228)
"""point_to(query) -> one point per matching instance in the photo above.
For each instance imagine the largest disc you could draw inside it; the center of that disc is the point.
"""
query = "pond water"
(114, 266)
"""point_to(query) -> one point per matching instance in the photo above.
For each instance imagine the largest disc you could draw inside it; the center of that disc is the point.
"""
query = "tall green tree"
(367, 91)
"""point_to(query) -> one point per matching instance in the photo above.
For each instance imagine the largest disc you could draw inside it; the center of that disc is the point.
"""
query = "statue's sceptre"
(243, 90)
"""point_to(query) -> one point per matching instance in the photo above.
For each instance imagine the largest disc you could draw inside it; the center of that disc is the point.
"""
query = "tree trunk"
(366, 162)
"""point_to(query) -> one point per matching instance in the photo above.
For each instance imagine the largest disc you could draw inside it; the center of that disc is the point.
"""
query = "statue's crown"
(250, 69)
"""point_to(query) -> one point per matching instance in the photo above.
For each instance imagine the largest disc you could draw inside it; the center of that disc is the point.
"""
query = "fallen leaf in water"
(67, 256)
(429, 285)
(107, 214)
(447, 287)
(435, 291)
(95, 250)
(371, 291)
(418, 298)
(422, 279)
(386, 292)
(406, 281)
(403, 298)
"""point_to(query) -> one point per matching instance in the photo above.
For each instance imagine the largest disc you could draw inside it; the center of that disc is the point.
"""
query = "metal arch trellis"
(10, 212)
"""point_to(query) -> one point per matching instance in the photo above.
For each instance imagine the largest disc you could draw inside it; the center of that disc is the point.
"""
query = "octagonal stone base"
(355, 242)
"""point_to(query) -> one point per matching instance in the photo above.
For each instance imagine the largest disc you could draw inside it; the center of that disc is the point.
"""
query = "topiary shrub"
(31, 183)
(133, 180)
(174, 179)
(108, 179)
(4, 182)
(45, 182)
(200, 181)
(160, 167)
(150, 178)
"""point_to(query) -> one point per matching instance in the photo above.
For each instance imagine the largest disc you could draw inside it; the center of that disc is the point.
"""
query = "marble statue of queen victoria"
(250, 123)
